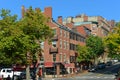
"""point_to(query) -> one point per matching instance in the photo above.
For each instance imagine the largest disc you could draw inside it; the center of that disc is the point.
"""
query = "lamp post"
(34, 70)
(13, 66)
(54, 59)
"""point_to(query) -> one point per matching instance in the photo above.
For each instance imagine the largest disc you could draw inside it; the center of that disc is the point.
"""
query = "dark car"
(109, 63)
(92, 69)
(50, 71)
(117, 76)
(23, 75)
(63, 71)
(101, 65)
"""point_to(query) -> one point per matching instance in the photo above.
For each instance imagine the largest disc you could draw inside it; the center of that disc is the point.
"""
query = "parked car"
(101, 65)
(63, 71)
(109, 63)
(92, 69)
(117, 76)
(5, 72)
(23, 76)
(51, 71)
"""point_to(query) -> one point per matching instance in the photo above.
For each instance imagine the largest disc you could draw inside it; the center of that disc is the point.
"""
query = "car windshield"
(9, 71)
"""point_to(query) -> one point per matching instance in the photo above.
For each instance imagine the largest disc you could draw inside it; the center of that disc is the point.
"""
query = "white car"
(8, 71)
(5, 72)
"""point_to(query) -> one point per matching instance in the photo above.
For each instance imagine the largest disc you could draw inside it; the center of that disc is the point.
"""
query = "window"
(42, 58)
(74, 36)
(64, 57)
(104, 32)
(72, 46)
(54, 57)
(65, 45)
(82, 39)
(54, 31)
(68, 45)
(71, 35)
(60, 32)
(94, 27)
(61, 57)
(3, 70)
(42, 45)
(65, 34)
(88, 32)
(9, 71)
(60, 43)
(72, 59)
(54, 43)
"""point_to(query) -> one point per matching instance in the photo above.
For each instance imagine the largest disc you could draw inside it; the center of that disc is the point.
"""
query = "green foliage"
(113, 41)
(83, 54)
(20, 40)
(95, 46)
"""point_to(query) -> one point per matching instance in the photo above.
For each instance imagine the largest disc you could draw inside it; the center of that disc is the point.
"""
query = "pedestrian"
(39, 74)
(1, 77)
(8, 78)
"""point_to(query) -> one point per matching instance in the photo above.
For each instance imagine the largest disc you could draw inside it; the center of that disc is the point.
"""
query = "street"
(104, 74)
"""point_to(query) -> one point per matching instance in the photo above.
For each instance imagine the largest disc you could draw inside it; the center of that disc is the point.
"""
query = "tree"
(113, 42)
(7, 24)
(95, 46)
(34, 25)
(20, 39)
(83, 54)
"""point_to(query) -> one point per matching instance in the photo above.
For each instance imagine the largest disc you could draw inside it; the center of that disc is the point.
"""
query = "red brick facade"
(67, 36)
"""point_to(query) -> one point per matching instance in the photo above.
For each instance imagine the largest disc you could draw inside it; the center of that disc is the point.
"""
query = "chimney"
(23, 11)
(48, 12)
(37, 9)
(85, 18)
(60, 20)
(113, 23)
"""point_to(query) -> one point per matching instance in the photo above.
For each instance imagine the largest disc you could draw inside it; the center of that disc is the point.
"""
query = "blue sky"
(109, 9)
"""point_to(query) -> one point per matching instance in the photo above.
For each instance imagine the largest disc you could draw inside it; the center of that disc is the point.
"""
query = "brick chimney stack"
(37, 9)
(23, 11)
(48, 12)
(85, 18)
(60, 20)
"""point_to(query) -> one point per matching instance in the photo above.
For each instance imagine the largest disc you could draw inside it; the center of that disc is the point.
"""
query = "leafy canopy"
(83, 54)
(20, 39)
(113, 41)
(95, 46)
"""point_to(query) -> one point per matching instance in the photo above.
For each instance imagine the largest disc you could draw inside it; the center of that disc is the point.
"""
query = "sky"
(109, 9)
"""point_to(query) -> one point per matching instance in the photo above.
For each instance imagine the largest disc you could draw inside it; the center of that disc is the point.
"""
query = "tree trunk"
(28, 72)
(81, 67)
(95, 61)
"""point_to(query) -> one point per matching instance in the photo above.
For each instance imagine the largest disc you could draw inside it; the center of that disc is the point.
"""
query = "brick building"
(96, 25)
(61, 54)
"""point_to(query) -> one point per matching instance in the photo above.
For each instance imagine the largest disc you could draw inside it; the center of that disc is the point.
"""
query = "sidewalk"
(67, 76)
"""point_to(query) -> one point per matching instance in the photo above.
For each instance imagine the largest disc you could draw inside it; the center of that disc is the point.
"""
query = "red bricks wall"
(48, 12)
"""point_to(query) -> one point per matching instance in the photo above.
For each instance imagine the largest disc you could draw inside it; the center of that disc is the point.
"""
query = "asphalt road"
(104, 74)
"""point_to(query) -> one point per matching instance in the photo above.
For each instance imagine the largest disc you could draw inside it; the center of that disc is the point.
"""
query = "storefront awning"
(48, 64)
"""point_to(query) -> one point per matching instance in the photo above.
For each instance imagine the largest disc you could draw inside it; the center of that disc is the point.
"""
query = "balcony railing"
(53, 50)
(55, 38)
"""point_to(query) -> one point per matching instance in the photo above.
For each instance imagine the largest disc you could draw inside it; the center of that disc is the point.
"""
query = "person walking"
(1, 77)
(8, 78)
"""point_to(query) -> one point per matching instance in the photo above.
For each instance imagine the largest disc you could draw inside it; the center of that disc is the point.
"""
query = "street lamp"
(13, 66)
(34, 69)
(54, 59)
